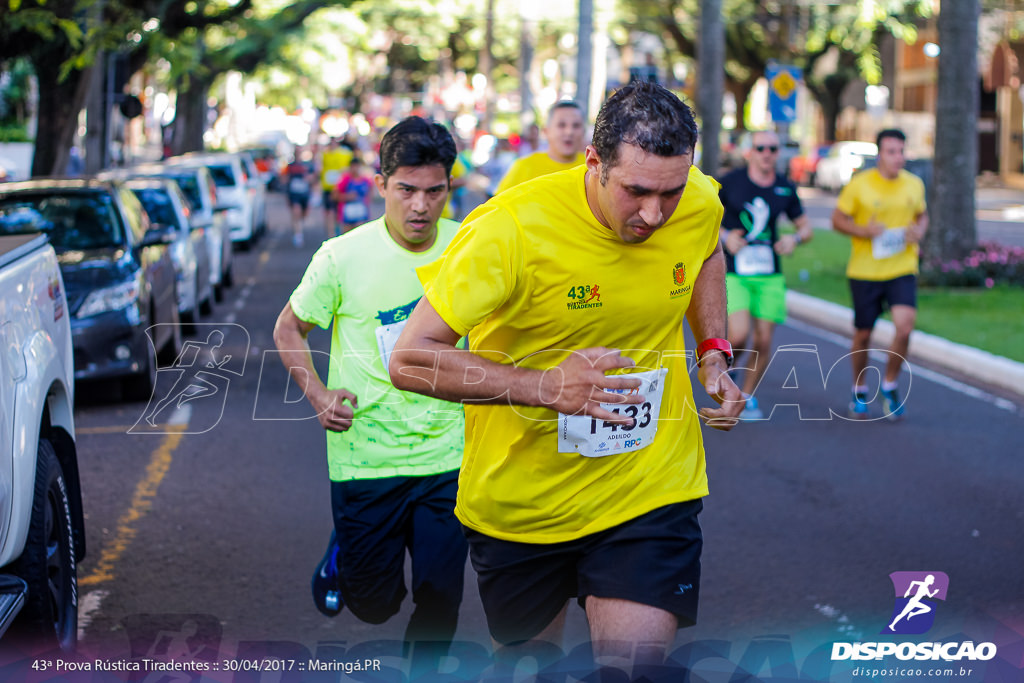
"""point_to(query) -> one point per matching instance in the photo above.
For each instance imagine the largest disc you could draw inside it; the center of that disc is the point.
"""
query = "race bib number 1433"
(595, 438)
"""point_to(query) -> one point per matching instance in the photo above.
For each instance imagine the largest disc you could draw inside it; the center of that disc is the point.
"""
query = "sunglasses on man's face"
(771, 148)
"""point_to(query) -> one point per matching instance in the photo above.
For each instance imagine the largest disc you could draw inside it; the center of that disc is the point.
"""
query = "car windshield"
(158, 205)
(222, 176)
(81, 220)
(189, 186)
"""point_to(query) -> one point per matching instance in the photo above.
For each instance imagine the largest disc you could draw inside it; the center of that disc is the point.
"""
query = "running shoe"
(859, 406)
(326, 591)
(297, 240)
(751, 411)
(892, 404)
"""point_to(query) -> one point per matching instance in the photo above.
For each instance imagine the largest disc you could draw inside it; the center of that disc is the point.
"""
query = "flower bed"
(988, 265)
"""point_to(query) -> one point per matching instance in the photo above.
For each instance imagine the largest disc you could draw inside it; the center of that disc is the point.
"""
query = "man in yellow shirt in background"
(564, 132)
(576, 482)
(333, 162)
(883, 210)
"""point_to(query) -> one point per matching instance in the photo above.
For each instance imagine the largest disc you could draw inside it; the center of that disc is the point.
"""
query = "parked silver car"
(166, 205)
(843, 160)
(235, 194)
(197, 185)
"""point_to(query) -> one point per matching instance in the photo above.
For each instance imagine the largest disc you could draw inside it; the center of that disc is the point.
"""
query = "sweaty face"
(891, 159)
(639, 193)
(565, 133)
(414, 198)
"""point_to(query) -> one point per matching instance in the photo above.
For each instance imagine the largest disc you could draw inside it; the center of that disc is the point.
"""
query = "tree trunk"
(59, 104)
(190, 116)
(953, 231)
(711, 83)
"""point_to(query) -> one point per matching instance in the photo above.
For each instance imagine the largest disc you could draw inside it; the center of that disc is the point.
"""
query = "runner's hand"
(786, 245)
(734, 241)
(578, 385)
(334, 409)
(914, 233)
(873, 228)
(720, 387)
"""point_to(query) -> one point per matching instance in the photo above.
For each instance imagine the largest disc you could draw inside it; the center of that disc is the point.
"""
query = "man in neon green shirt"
(883, 211)
(392, 456)
(576, 482)
(564, 132)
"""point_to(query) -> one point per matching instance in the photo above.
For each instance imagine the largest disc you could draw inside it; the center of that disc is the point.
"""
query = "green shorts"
(763, 295)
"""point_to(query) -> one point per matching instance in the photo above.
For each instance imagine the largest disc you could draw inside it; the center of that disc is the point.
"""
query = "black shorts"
(329, 202)
(652, 560)
(298, 199)
(376, 521)
(871, 297)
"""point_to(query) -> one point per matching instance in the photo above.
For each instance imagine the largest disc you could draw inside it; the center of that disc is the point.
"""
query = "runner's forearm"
(707, 311)
(290, 338)
(426, 361)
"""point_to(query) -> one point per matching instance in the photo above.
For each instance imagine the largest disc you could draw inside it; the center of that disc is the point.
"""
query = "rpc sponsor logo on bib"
(916, 599)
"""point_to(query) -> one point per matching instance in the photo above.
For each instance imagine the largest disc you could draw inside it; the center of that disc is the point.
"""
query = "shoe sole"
(317, 576)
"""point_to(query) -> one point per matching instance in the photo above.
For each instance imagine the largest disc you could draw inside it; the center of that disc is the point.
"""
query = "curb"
(981, 365)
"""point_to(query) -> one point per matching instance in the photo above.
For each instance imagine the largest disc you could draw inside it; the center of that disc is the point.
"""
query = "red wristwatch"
(715, 344)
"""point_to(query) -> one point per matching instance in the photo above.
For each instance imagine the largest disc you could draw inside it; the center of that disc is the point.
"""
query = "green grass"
(987, 319)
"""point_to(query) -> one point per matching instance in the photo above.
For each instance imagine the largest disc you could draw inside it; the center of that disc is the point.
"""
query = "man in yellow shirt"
(577, 482)
(883, 210)
(333, 162)
(564, 133)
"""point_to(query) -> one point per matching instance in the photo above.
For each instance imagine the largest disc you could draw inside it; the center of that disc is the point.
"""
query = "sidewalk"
(980, 366)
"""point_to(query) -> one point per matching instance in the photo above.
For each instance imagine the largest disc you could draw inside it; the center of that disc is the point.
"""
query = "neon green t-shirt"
(366, 286)
(534, 166)
(895, 203)
(533, 275)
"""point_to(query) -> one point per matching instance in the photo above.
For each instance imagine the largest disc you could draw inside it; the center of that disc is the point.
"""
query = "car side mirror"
(159, 234)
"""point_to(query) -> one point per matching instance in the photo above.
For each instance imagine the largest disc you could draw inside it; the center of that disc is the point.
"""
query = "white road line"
(931, 375)
(87, 606)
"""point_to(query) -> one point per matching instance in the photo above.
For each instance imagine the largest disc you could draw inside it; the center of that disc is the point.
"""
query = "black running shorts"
(652, 560)
(871, 297)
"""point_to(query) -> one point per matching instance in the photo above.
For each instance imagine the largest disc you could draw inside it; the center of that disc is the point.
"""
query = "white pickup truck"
(42, 534)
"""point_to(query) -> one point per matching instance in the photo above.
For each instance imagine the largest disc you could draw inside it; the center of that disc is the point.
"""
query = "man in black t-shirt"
(754, 197)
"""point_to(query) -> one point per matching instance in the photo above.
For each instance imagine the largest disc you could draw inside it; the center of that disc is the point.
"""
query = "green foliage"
(14, 133)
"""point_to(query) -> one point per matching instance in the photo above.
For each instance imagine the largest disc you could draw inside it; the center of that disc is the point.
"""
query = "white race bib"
(755, 259)
(298, 185)
(596, 438)
(890, 243)
(354, 212)
(331, 178)
(387, 335)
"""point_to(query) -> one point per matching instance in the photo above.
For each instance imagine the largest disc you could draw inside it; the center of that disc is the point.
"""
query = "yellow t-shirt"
(333, 165)
(459, 169)
(896, 204)
(532, 275)
(534, 166)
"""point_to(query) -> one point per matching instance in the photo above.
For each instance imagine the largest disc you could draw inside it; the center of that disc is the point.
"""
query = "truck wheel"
(50, 614)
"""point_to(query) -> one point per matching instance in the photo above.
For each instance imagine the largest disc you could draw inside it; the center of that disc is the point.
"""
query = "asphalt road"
(203, 532)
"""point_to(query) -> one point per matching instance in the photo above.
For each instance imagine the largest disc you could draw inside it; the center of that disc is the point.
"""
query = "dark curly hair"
(647, 115)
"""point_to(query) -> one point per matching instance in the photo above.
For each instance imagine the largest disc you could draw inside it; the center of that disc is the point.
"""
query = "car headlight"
(110, 299)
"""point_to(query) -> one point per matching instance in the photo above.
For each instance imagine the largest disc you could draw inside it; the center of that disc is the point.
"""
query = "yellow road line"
(140, 505)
